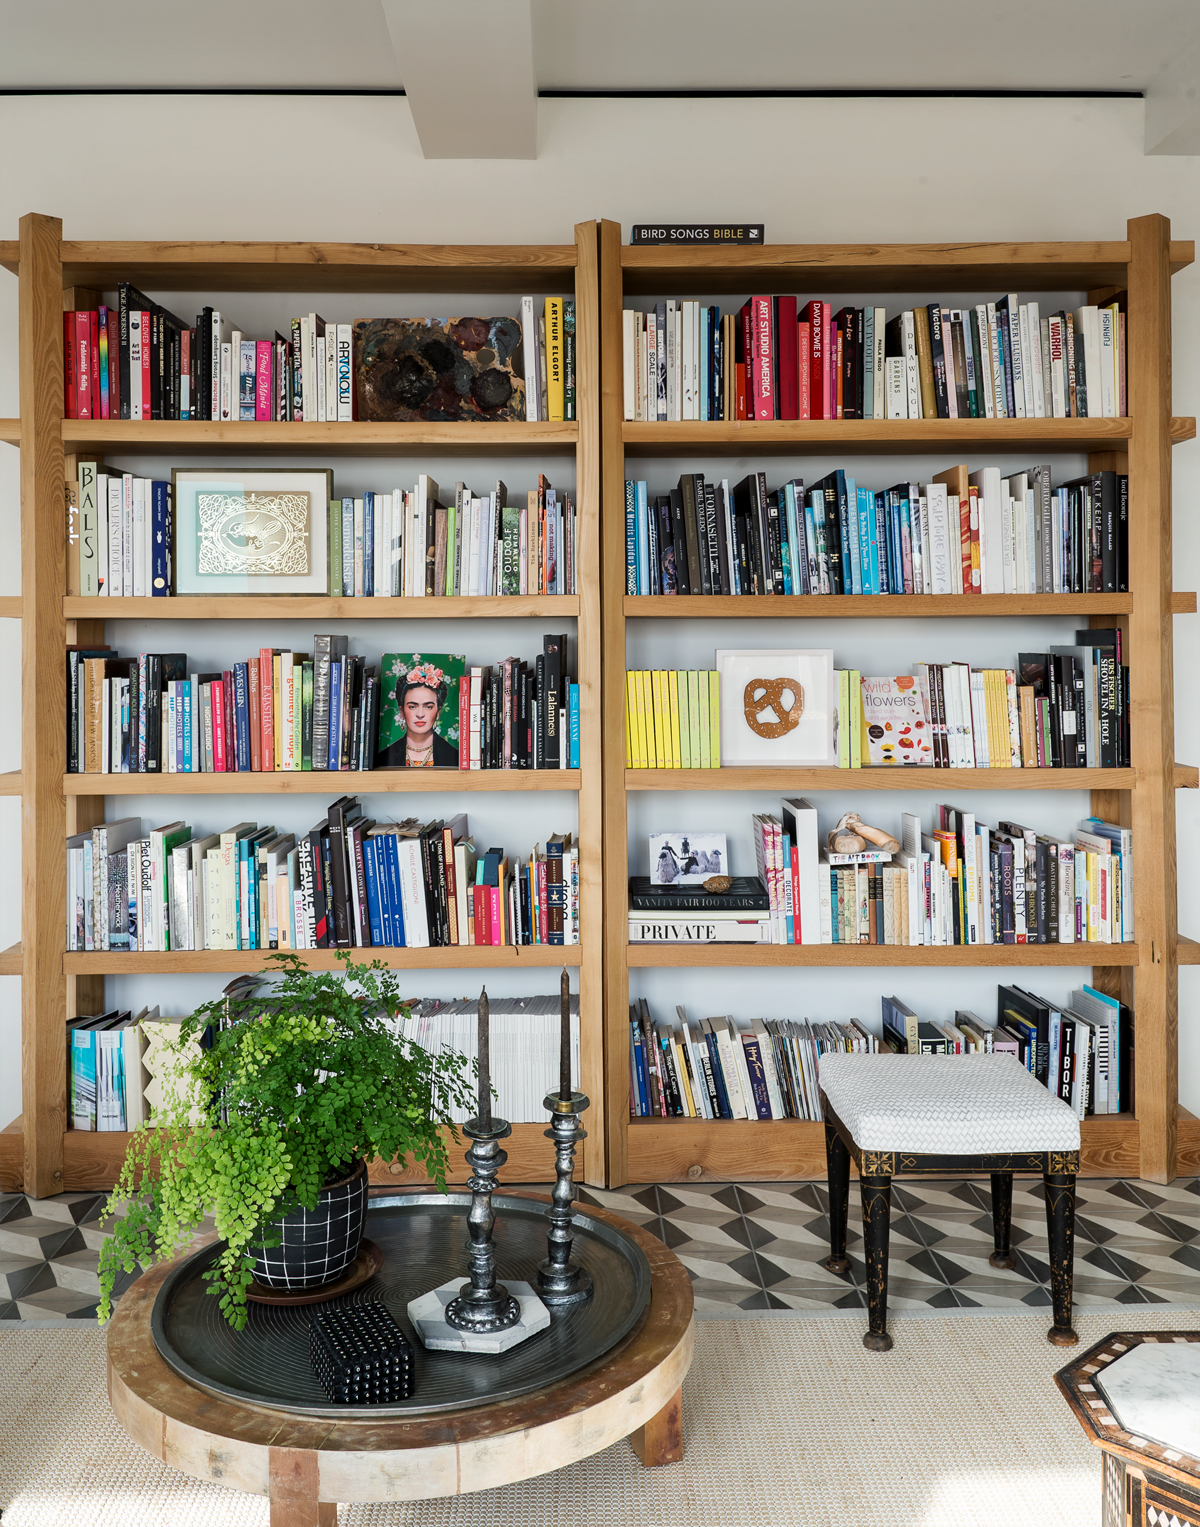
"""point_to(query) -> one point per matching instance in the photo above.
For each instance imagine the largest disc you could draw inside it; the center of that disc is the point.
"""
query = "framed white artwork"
(778, 706)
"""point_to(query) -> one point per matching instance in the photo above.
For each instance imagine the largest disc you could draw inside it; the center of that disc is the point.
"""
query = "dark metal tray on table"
(424, 1237)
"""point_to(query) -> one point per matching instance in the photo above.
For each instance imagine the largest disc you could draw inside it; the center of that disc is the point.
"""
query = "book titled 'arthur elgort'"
(746, 894)
(698, 233)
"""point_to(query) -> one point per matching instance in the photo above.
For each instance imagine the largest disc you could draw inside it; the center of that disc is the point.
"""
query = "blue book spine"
(714, 1059)
(863, 499)
(393, 874)
(856, 580)
(368, 545)
(184, 702)
(795, 542)
(252, 896)
(241, 714)
(335, 714)
(573, 721)
(385, 895)
(374, 909)
(878, 550)
(160, 539)
(83, 1079)
(834, 909)
(631, 570)
(785, 543)
(704, 362)
(643, 541)
(810, 536)
(347, 547)
(643, 1086)
(897, 543)
(789, 917)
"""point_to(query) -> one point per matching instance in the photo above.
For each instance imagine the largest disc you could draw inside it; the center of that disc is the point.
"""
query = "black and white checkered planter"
(320, 1244)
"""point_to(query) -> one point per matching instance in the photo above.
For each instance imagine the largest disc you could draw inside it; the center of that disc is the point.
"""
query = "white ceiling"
(608, 44)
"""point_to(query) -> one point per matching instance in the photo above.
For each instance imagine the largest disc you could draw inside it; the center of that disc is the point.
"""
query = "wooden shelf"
(1187, 777)
(320, 607)
(787, 1150)
(943, 780)
(10, 960)
(92, 1160)
(1183, 603)
(198, 437)
(10, 784)
(321, 782)
(854, 956)
(1079, 266)
(1188, 952)
(10, 431)
(892, 436)
(193, 961)
(870, 606)
(11, 606)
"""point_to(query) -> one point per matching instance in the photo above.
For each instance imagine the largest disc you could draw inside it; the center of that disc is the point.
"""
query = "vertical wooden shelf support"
(43, 705)
(1156, 1038)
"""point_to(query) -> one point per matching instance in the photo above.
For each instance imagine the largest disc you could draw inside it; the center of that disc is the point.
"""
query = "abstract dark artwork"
(412, 369)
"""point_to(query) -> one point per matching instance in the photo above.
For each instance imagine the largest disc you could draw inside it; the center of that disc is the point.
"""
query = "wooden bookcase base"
(793, 1150)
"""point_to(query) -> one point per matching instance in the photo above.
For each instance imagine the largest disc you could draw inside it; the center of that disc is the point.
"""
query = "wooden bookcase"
(41, 1152)
(1157, 1143)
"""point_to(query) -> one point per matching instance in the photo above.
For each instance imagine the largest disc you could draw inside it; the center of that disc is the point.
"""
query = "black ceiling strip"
(715, 94)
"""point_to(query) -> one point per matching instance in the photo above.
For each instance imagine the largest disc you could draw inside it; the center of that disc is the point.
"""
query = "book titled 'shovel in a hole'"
(697, 233)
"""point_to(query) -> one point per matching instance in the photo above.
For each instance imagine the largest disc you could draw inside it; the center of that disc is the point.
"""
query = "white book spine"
(1108, 361)
(669, 336)
(912, 374)
(880, 382)
(133, 381)
(998, 393)
(983, 363)
(1026, 329)
(1035, 349)
(322, 382)
(628, 358)
(529, 347)
(896, 399)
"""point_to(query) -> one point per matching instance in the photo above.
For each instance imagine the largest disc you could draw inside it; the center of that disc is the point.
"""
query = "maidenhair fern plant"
(273, 1094)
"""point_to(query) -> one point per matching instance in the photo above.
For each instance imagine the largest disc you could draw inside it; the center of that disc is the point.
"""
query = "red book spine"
(146, 348)
(217, 690)
(481, 929)
(827, 376)
(266, 685)
(94, 360)
(789, 365)
(464, 722)
(543, 910)
(70, 395)
(841, 369)
(746, 402)
(83, 373)
(794, 871)
(255, 700)
(804, 367)
(495, 895)
(114, 366)
(232, 762)
(262, 379)
(764, 380)
(185, 373)
(816, 349)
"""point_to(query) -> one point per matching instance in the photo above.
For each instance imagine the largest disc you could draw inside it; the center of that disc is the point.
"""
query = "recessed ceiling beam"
(1173, 105)
(467, 70)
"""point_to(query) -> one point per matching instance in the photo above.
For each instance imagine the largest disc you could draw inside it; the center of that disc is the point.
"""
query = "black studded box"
(361, 1355)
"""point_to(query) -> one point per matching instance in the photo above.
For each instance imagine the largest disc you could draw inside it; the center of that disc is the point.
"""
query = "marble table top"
(1154, 1391)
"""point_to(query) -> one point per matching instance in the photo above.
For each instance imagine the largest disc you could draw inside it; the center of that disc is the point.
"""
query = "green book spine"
(510, 566)
(306, 717)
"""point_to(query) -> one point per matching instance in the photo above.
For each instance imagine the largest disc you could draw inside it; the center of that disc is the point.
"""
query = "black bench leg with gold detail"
(876, 1213)
(1002, 1257)
(837, 1159)
(1060, 1230)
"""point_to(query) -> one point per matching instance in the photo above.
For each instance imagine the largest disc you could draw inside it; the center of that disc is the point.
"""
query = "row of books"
(672, 718)
(137, 360)
(1063, 709)
(113, 1067)
(961, 883)
(776, 359)
(1082, 1051)
(718, 1068)
(399, 543)
(962, 533)
(349, 882)
(523, 1044)
(288, 711)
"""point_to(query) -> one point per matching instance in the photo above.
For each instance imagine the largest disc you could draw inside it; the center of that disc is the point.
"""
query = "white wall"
(813, 171)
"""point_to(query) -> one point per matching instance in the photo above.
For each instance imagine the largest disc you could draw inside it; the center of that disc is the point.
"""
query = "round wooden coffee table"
(305, 1464)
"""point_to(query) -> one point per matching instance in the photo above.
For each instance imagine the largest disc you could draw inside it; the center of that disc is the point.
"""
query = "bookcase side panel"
(1151, 693)
(43, 689)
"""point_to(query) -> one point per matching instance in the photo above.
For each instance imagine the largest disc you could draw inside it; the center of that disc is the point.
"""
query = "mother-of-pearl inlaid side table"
(1137, 1395)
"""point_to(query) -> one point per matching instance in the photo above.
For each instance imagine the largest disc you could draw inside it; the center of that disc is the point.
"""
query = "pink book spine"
(266, 690)
(764, 380)
(804, 350)
(145, 365)
(262, 379)
(828, 375)
(83, 369)
(794, 871)
(543, 915)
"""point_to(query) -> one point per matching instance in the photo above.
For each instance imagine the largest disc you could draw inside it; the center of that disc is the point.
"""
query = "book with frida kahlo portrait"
(418, 709)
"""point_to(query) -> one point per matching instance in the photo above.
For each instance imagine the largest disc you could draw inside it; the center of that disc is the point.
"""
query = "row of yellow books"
(672, 718)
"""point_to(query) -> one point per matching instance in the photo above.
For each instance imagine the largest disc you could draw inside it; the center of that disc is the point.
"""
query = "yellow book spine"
(685, 730)
(843, 675)
(686, 1081)
(656, 716)
(1093, 907)
(644, 739)
(630, 758)
(277, 684)
(854, 696)
(999, 740)
(714, 715)
(554, 358)
(694, 717)
(702, 719)
(639, 721)
(673, 714)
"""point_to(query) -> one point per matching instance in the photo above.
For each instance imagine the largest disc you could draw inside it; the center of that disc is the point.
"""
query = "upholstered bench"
(936, 1115)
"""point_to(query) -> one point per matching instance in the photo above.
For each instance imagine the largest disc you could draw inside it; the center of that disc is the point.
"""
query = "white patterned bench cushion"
(945, 1105)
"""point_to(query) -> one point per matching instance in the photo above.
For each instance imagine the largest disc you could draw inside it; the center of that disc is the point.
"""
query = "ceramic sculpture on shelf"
(852, 834)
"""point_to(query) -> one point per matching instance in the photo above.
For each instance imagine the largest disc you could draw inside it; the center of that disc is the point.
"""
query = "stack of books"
(350, 882)
(137, 360)
(777, 358)
(962, 883)
(675, 914)
(962, 533)
(672, 718)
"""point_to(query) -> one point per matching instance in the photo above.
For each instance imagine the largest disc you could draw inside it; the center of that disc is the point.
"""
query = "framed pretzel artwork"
(778, 706)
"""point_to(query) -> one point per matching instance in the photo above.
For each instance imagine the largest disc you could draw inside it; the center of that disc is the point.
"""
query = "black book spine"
(153, 713)
(859, 362)
(939, 360)
(554, 648)
(742, 552)
(679, 540)
(1122, 534)
(723, 549)
(757, 550)
(540, 695)
(1042, 852)
(674, 1101)
(700, 521)
(73, 713)
(706, 495)
(833, 540)
(1104, 492)
(204, 365)
(123, 343)
(339, 877)
(1054, 689)
(775, 543)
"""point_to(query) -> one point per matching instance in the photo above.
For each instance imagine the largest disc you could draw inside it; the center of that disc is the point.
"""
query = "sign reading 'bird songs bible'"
(698, 233)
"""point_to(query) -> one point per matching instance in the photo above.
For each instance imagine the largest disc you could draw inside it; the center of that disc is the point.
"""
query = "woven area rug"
(786, 1421)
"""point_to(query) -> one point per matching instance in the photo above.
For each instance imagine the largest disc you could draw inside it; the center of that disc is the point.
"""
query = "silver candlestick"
(483, 1305)
(561, 1280)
